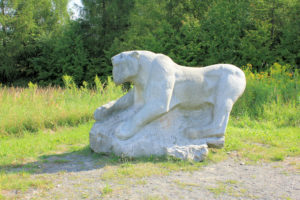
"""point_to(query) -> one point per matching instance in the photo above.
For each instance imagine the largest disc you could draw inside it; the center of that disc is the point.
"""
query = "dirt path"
(79, 177)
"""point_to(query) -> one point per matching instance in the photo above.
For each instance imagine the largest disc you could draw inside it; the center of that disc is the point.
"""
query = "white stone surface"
(189, 152)
(170, 105)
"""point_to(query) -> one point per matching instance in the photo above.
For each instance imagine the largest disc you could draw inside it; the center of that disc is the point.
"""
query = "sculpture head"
(125, 66)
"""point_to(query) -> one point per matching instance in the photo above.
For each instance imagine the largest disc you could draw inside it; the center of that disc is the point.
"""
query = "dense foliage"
(39, 42)
(24, 24)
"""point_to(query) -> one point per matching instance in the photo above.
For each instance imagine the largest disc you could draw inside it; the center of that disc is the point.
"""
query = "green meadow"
(39, 121)
(33, 108)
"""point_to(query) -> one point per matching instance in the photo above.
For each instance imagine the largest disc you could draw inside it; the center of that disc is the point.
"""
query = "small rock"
(189, 152)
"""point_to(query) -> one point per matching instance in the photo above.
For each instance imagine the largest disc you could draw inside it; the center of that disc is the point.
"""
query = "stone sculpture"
(171, 109)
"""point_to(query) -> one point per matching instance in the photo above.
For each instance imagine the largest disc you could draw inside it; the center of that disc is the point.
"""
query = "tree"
(102, 22)
(38, 42)
(288, 48)
(61, 54)
(23, 22)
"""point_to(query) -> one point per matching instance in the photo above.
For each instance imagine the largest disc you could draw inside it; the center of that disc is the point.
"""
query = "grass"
(184, 184)
(129, 170)
(17, 151)
(271, 96)
(33, 108)
(20, 158)
(255, 142)
(106, 190)
(38, 122)
(155, 197)
(144, 167)
(229, 187)
(218, 190)
(22, 181)
(61, 161)
(258, 141)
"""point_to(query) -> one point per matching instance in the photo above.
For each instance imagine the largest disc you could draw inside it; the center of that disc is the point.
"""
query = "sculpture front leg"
(114, 106)
(157, 103)
(125, 130)
(146, 115)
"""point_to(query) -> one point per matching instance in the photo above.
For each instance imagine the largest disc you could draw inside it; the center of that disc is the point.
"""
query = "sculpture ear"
(135, 54)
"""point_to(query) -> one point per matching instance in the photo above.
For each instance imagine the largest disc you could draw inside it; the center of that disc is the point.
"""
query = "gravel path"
(80, 178)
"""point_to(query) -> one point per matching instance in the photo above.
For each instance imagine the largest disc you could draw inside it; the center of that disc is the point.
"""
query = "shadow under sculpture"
(172, 109)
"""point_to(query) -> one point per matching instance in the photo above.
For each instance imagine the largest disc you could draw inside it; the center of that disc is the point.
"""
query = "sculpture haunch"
(171, 109)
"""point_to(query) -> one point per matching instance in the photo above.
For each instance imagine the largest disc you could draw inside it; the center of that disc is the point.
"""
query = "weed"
(228, 187)
(18, 151)
(269, 97)
(141, 182)
(184, 185)
(155, 197)
(286, 198)
(232, 182)
(106, 190)
(32, 109)
(84, 195)
(278, 157)
(128, 170)
(121, 167)
(220, 189)
(22, 181)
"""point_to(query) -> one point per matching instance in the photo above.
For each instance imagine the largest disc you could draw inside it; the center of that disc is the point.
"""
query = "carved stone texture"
(171, 109)
(189, 152)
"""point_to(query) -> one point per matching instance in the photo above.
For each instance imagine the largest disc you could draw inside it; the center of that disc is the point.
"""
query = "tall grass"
(269, 96)
(33, 108)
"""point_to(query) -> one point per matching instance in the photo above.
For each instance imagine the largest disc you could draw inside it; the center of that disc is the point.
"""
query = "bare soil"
(79, 177)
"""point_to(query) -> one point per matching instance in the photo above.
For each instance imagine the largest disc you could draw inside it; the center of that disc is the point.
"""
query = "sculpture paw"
(103, 111)
(124, 131)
